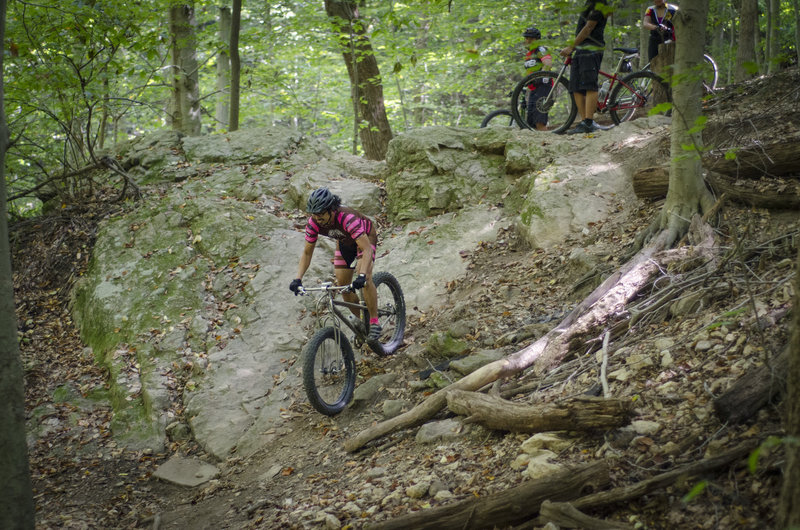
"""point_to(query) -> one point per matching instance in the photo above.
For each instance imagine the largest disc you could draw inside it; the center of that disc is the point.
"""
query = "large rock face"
(192, 282)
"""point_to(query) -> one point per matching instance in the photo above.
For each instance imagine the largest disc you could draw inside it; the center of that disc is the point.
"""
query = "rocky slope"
(671, 364)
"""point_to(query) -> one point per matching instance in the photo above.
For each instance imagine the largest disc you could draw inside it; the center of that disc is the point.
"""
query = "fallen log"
(584, 413)
(763, 192)
(774, 158)
(507, 507)
(565, 515)
(753, 390)
(591, 314)
(651, 182)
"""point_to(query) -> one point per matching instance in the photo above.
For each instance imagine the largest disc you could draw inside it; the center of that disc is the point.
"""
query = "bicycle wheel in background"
(391, 314)
(558, 105)
(329, 371)
(710, 74)
(636, 95)
(498, 118)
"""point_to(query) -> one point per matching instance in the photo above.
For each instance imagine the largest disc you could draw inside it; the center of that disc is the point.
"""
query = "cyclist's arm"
(365, 262)
(648, 24)
(580, 37)
(305, 259)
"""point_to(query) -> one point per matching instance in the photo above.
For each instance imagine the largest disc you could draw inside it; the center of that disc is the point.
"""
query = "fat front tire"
(498, 118)
(636, 95)
(391, 314)
(329, 371)
(558, 105)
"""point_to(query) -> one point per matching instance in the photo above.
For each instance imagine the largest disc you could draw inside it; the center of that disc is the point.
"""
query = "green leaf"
(660, 109)
(730, 154)
(695, 491)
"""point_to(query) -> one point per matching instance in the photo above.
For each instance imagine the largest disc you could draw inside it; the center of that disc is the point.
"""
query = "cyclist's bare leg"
(345, 277)
(371, 296)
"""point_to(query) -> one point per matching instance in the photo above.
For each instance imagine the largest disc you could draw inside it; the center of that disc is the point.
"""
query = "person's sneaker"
(581, 128)
(375, 331)
(358, 323)
(597, 127)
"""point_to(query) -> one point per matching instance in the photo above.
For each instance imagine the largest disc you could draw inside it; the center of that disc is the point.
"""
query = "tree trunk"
(580, 414)
(773, 39)
(644, 38)
(796, 5)
(236, 20)
(789, 509)
(505, 508)
(687, 193)
(223, 68)
(185, 108)
(16, 502)
(365, 77)
(746, 53)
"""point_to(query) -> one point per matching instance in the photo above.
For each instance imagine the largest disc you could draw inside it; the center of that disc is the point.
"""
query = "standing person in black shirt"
(588, 47)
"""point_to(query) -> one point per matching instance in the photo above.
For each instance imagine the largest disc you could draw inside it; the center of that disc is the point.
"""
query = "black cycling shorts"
(584, 70)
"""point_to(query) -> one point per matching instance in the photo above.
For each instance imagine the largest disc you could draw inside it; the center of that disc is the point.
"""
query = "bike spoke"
(329, 372)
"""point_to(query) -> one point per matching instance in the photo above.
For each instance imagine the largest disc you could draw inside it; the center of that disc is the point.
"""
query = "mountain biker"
(658, 19)
(588, 47)
(356, 241)
(535, 59)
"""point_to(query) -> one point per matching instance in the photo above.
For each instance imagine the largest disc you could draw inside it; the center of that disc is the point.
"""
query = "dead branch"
(584, 413)
(506, 507)
(626, 493)
(753, 390)
(566, 515)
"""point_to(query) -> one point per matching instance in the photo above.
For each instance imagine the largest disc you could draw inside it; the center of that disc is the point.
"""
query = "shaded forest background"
(85, 76)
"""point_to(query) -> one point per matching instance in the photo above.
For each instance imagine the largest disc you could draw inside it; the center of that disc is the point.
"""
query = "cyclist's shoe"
(358, 323)
(581, 128)
(375, 331)
(597, 127)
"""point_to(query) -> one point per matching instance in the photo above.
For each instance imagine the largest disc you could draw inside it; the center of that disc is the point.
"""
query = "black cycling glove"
(359, 282)
(295, 286)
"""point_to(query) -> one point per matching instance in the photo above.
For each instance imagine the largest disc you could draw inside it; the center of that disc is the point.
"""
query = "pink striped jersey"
(346, 226)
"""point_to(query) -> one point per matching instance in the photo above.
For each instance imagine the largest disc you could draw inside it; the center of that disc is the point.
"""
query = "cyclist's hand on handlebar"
(295, 286)
(359, 282)
(662, 28)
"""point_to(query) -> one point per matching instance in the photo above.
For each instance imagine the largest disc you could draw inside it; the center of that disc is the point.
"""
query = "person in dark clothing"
(588, 47)
(536, 59)
(658, 19)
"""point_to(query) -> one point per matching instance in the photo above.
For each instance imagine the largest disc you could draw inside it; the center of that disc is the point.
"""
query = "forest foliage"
(84, 75)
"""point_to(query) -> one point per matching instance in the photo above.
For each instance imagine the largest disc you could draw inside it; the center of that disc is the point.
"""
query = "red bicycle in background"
(624, 95)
